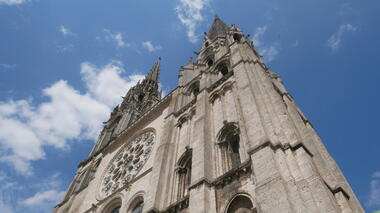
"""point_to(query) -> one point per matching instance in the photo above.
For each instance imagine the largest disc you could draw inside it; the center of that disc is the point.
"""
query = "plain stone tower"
(228, 139)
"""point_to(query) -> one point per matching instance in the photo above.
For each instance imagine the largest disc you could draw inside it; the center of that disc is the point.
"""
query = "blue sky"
(65, 64)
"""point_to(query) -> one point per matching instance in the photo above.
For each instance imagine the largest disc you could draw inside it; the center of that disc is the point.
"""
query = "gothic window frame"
(114, 203)
(223, 68)
(226, 141)
(209, 58)
(194, 89)
(183, 172)
(137, 199)
(237, 36)
(237, 196)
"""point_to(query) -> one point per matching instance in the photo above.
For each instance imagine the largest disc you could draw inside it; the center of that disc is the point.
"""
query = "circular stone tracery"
(127, 163)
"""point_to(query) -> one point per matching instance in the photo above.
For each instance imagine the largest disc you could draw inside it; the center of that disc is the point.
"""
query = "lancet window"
(183, 173)
(194, 89)
(229, 143)
(223, 68)
(241, 204)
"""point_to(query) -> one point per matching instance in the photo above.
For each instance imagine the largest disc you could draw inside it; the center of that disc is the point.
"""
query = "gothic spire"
(154, 73)
(217, 28)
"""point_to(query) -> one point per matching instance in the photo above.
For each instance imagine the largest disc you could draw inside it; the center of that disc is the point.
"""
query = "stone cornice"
(280, 146)
(231, 175)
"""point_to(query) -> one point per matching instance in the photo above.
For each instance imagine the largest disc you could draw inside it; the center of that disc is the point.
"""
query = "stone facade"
(228, 139)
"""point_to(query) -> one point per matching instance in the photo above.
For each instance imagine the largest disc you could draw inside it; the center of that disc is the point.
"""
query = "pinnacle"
(154, 73)
(217, 28)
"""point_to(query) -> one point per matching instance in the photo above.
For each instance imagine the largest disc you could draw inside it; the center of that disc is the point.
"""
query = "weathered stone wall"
(284, 166)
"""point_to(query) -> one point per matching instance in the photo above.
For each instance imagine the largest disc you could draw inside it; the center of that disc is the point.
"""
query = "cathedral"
(228, 139)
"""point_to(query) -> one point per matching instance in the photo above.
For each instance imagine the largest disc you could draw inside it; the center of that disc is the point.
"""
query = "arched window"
(138, 207)
(223, 68)
(241, 204)
(141, 97)
(184, 173)
(229, 142)
(206, 44)
(194, 89)
(210, 62)
(116, 210)
(237, 37)
(113, 206)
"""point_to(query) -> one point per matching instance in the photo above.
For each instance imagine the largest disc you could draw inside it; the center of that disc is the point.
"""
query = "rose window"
(128, 162)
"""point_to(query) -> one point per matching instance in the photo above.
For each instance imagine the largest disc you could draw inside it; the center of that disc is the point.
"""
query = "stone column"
(202, 195)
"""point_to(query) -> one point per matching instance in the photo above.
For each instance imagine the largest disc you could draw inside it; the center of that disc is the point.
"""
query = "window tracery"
(229, 144)
(128, 162)
(183, 172)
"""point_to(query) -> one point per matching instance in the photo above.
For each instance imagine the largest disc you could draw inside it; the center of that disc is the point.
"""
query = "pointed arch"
(113, 205)
(228, 139)
(193, 89)
(136, 203)
(240, 203)
(183, 173)
(223, 67)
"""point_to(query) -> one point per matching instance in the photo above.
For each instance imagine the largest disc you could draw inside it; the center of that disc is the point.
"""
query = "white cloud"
(296, 43)
(374, 194)
(65, 48)
(7, 66)
(45, 192)
(48, 193)
(116, 37)
(106, 83)
(268, 51)
(68, 115)
(65, 31)
(42, 198)
(5, 205)
(189, 12)
(334, 42)
(12, 2)
(150, 47)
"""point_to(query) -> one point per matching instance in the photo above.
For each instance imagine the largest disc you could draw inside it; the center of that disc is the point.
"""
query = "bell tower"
(135, 103)
(228, 139)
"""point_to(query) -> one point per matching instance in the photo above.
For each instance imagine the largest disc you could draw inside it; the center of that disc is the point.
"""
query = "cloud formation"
(189, 12)
(41, 198)
(268, 50)
(46, 195)
(115, 37)
(374, 194)
(12, 2)
(25, 129)
(65, 31)
(7, 66)
(150, 47)
(334, 42)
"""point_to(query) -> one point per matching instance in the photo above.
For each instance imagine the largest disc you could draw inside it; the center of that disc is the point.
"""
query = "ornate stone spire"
(218, 28)
(144, 94)
(136, 102)
(154, 73)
